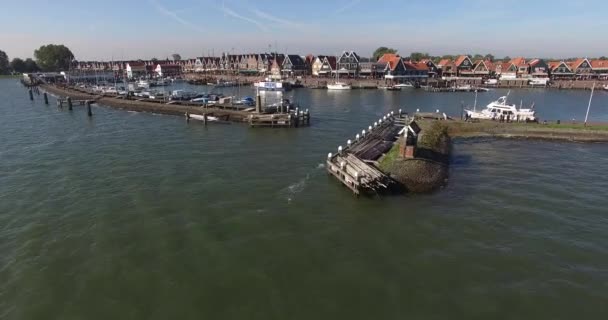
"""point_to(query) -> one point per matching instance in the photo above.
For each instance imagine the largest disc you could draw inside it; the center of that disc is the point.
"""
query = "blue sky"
(157, 28)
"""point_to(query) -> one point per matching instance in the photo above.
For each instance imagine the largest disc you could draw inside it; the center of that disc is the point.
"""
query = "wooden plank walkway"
(354, 165)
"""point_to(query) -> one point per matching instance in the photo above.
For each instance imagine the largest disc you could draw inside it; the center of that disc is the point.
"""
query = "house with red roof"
(538, 68)
(433, 69)
(461, 67)
(483, 68)
(464, 66)
(560, 70)
(137, 69)
(600, 68)
(582, 68)
(167, 69)
(447, 67)
(506, 71)
(393, 66)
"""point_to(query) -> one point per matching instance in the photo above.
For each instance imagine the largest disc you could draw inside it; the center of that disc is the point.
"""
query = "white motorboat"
(162, 82)
(606, 87)
(201, 117)
(500, 107)
(404, 85)
(390, 88)
(183, 95)
(144, 84)
(269, 85)
(539, 82)
(339, 86)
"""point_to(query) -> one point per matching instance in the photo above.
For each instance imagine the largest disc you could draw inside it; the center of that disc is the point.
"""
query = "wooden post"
(46, 98)
(60, 103)
(258, 104)
(89, 113)
(69, 103)
(31, 94)
(204, 118)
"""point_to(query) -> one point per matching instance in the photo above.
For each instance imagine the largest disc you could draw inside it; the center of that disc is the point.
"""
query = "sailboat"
(338, 85)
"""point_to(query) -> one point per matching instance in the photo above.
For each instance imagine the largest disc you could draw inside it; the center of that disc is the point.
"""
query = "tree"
(489, 56)
(477, 57)
(154, 60)
(3, 62)
(31, 65)
(506, 59)
(53, 57)
(417, 56)
(382, 50)
(18, 65)
(176, 57)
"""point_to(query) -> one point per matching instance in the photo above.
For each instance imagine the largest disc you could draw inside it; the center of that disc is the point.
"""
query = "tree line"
(48, 57)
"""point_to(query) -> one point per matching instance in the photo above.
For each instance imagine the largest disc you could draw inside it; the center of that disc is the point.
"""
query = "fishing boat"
(500, 107)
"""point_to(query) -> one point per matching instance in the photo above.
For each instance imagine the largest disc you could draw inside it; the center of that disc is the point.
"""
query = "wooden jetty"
(291, 119)
(355, 165)
(283, 117)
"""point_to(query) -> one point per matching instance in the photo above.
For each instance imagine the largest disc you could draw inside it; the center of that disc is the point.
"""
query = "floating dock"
(355, 165)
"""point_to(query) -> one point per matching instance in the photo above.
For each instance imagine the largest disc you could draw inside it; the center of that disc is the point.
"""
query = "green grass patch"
(387, 160)
(9, 76)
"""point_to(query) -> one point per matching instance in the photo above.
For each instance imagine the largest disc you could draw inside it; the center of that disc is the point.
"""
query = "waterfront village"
(389, 68)
(399, 152)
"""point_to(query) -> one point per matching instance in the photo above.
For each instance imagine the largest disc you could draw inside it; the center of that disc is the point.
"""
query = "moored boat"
(495, 109)
(269, 85)
(339, 86)
(405, 85)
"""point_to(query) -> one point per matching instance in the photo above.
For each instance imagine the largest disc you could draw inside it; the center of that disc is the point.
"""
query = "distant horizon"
(149, 29)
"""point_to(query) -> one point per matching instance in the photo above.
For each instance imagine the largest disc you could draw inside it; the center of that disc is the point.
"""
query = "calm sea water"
(141, 216)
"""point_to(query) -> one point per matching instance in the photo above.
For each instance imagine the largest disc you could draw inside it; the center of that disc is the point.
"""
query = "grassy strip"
(9, 76)
(389, 158)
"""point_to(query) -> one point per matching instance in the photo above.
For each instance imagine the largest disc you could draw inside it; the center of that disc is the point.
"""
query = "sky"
(129, 29)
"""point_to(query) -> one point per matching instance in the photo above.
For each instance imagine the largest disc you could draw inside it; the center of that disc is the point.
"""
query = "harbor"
(140, 186)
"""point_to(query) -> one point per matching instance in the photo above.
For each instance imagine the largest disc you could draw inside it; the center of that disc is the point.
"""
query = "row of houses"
(520, 67)
(349, 64)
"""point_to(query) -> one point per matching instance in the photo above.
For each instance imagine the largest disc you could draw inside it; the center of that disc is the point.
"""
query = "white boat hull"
(202, 118)
(339, 87)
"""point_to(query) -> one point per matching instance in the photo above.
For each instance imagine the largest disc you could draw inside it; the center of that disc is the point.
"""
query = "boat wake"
(292, 190)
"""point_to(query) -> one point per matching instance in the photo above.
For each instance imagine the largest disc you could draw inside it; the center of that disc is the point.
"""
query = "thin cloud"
(233, 14)
(175, 16)
(269, 17)
(347, 6)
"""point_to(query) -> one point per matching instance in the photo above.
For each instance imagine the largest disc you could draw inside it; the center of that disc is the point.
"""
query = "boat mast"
(475, 105)
(589, 105)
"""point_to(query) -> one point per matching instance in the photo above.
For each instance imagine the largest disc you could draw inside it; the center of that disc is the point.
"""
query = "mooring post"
(69, 103)
(258, 103)
(31, 94)
(89, 112)
(46, 98)
(60, 103)
(204, 118)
